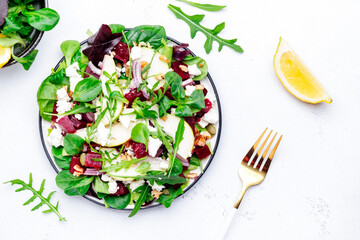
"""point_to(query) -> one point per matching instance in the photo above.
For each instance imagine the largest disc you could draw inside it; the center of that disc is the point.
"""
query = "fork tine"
(260, 149)
(265, 152)
(252, 149)
(268, 162)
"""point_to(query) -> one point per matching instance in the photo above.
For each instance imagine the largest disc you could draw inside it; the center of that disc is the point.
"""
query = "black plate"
(89, 194)
(35, 38)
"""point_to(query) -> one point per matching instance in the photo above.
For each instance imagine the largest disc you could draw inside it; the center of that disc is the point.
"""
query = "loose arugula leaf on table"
(69, 48)
(73, 144)
(39, 195)
(27, 60)
(43, 19)
(206, 7)
(73, 185)
(146, 33)
(141, 200)
(61, 160)
(167, 199)
(200, 63)
(118, 202)
(140, 133)
(210, 34)
(87, 89)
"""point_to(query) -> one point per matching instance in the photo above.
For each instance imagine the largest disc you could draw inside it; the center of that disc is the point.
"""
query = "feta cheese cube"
(153, 146)
(194, 70)
(189, 89)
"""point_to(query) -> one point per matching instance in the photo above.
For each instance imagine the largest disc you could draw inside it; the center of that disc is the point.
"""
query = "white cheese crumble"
(135, 52)
(127, 119)
(194, 70)
(105, 178)
(189, 89)
(164, 165)
(135, 184)
(155, 186)
(211, 116)
(75, 77)
(55, 138)
(63, 104)
(113, 187)
(203, 123)
(153, 146)
(102, 134)
(78, 116)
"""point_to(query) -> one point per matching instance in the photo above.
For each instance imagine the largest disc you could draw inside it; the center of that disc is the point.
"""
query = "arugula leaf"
(206, 7)
(146, 33)
(122, 164)
(118, 202)
(73, 185)
(61, 160)
(141, 200)
(143, 168)
(162, 136)
(143, 113)
(200, 63)
(140, 133)
(179, 136)
(78, 108)
(26, 61)
(167, 199)
(160, 178)
(73, 144)
(87, 89)
(69, 49)
(118, 96)
(210, 34)
(38, 194)
(43, 19)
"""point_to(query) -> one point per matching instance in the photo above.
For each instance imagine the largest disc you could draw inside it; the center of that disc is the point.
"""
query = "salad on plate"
(129, 117)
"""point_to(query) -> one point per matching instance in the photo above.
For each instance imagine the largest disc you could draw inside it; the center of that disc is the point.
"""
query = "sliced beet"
(176, 67)
(89, 162)
(206, 109)
(202, 152)
(88, 117)
(74, 161)
(122, 189)
(180, 51)
(139, 149)
(90, 72)
(132, 95)
(122, 52)
(53, 117)
(191, 121)
(77, 123)
(66, 124)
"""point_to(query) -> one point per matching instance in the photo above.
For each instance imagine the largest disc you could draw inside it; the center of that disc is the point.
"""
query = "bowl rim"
(32, 45)
(97, 201)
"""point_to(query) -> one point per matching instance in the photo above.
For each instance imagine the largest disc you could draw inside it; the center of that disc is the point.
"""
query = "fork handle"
(225, 226)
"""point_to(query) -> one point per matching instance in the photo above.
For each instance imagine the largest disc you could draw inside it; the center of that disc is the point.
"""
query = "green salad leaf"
(141, 200)
(200, 63)
(167, 199)
(69, 48)
(152, 34)
(43, 19)
(73, 144)
(26, 61)
(87, 89)
(210, 34)
(140, 133)
(73, 185)
(61, 160)
(118, 202)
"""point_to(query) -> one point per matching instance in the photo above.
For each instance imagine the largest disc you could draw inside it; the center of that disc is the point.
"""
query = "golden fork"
(252, 173)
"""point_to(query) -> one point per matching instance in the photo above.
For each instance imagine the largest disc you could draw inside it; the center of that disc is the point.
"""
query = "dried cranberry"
(121, 189)
(74, 161)
(139, 149)
(206, 109)
(176, 67)
(202, 152)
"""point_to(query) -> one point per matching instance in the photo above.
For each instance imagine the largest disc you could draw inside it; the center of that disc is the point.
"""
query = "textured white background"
(312, 189)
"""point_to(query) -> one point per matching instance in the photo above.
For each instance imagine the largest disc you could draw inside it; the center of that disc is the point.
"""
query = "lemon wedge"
(5, 54)
(296, 77)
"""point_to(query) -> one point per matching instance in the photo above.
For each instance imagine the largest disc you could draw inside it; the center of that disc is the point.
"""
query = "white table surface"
(312, 189)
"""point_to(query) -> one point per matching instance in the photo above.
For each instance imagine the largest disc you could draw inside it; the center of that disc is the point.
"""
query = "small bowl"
(35, 37)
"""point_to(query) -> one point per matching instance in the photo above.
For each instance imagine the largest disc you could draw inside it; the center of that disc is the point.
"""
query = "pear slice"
(170, 126)
(109, 68)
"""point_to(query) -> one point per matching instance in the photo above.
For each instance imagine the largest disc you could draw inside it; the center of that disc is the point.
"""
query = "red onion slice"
(91, 172)
(94, 68)
(188, 82)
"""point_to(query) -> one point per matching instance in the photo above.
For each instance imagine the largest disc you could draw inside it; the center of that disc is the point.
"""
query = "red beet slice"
(176, 67)
(88, 117)
(53, 118)
(202, 152)
(206, 109)
(66, 124)
(89, 162)
(122, 189)
(139, 149)
(122, 52)
(74, 161)
(77, 123)
(132, 95)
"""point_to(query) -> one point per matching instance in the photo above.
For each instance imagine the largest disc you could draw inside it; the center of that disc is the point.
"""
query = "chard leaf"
(206, 7)
(210, 34)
